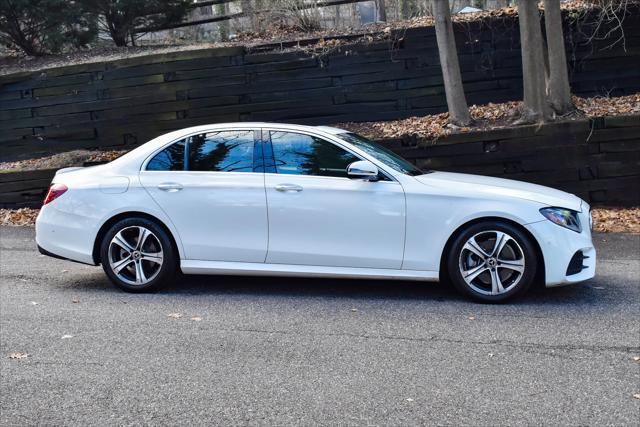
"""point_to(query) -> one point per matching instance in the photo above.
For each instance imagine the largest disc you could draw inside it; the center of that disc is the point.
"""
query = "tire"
(133, 268)
(492, 277)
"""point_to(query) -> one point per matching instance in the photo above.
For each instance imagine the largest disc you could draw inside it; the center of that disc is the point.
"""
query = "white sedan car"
(288, 200)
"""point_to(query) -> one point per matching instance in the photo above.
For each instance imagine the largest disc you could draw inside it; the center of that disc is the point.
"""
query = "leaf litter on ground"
(18, 355)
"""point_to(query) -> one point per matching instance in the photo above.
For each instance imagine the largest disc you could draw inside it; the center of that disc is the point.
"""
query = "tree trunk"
(224, 28)
(120, 38)
(533, 74)
(456, 101)
(558, 88)
(496, 4)
(381, 11)
(247, 20)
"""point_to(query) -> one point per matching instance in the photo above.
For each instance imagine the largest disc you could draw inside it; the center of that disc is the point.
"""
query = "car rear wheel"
(138, 255)
(492, 261)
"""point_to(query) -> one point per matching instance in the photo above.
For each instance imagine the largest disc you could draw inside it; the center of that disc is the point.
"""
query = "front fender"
(432, 219)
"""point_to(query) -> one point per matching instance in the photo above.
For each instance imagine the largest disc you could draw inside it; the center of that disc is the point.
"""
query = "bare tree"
(456, 101)
(558, 89)
(535, 107)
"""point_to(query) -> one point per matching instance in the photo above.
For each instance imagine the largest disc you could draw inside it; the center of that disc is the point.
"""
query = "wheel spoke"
(474, 272)
(119, 240)
(496, 283)
(515, 265)
(143, 233)
(501, 240)
(140, 276)
(474, 247)
(152, 257)
(119, 265)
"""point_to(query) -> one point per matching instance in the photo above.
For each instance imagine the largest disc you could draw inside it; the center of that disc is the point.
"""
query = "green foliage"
(45, 26)
(120, 17)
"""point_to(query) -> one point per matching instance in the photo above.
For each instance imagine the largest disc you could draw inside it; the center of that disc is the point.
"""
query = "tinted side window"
(169, 159)
(300, 154)
(226, 151)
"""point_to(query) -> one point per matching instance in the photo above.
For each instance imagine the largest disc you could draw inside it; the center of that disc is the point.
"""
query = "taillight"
(55, 191)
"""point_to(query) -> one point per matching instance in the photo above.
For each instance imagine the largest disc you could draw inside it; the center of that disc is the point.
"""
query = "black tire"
(517, 282)
(159, 276)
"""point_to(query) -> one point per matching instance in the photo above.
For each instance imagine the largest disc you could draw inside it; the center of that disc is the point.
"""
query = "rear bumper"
(64, 236)
(558, 246)
(52, 255)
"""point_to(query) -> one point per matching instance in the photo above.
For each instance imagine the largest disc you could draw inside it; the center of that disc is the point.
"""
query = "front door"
(208, 186)
(319, 216)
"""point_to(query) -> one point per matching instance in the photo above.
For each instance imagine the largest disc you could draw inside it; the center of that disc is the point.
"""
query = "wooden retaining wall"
(24, 189)
(127, 102)
(599, 160)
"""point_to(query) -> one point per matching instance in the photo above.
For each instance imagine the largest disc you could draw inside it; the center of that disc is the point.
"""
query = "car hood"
(484, 185)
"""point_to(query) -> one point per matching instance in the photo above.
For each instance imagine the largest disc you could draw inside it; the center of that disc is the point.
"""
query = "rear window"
(169, 159)
(223, 151)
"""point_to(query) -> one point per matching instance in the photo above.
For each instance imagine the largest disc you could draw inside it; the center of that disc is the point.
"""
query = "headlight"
(563, 217)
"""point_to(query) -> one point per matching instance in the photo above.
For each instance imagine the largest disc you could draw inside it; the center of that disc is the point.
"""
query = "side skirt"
(258, 269)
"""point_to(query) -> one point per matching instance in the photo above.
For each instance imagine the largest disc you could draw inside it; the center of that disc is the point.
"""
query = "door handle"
(288, 187)
(170, 187)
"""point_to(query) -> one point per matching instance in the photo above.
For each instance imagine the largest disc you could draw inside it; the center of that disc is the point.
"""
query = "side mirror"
(363, 169)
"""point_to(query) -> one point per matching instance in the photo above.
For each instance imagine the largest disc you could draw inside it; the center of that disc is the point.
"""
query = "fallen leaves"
(18, 355)
(486, 116)
(180, 316)
(61, 160)
(106, 156)
(616, 220)
(18, 217)
(600, 106)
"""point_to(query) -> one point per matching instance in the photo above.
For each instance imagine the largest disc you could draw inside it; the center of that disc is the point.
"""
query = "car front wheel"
(137, 255)
(492, 261)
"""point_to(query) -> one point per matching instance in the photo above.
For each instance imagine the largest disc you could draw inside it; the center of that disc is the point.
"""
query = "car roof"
(244, 125)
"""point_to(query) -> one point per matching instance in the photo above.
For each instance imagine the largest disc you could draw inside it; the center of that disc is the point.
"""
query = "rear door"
(211, 185)
(319, 216)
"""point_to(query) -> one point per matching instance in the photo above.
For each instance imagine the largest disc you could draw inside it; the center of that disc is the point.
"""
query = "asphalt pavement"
(274, 351)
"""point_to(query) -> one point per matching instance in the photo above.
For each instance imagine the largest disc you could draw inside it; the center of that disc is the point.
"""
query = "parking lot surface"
(246, 350)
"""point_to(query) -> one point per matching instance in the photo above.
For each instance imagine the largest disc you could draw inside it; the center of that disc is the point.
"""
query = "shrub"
(45, 26)
(120, 18)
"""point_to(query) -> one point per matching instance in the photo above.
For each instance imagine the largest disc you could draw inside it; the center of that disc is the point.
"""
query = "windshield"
(381, 153)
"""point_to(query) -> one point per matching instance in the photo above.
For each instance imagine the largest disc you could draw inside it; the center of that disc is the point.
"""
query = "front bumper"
(559, 245)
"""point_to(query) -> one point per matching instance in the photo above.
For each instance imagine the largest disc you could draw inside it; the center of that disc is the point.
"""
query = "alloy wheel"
(135, 255)
(492, 262)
